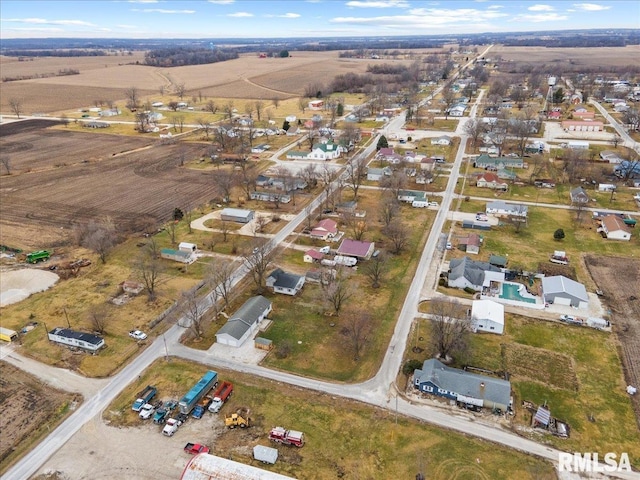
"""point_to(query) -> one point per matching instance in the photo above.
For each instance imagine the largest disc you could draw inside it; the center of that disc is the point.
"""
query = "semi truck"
(145, 397)
(286, 437)
(222, 393)
(199, 390)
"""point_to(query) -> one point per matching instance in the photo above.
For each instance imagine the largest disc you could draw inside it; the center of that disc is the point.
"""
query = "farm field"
(573, 58)
(370, 444)
(132, 188)
(245, 77)
(619, 278)
(30, 410)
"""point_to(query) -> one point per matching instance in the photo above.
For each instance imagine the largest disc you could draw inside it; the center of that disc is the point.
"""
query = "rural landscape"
(421, 260)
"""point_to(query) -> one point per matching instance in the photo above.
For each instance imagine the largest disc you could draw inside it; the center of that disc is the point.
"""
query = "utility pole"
(66, 316)
(166, 351)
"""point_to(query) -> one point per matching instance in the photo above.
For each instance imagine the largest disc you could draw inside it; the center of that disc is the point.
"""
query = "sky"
(303, 18)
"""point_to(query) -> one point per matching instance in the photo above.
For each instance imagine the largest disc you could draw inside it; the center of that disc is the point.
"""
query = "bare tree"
(259, 107)
(398, 234)
(224, 229)
(520, 131)
(220, 278)
(616, 139)
(302, 104)
(133, 98)
(248, 177)
(450, 327)
(224, 180)
(395, 182)
(275, 101)
(310, 175)
(98, 317)
(337, 290)
(357, 225)
(356, 172)
(149, 268)
(350, 135)
(389, 208)
(228, 109)
(193, 310)
(260, 222)
(356, 330)
(448, 99)
(5, 161)
(99, 236)
(64, 119)
(161, 89)
(211, 107)
(181, 90)
(143, 122)
(258, 261)
(205, 126)
(15, 104)
(474, 128)
(375, 269)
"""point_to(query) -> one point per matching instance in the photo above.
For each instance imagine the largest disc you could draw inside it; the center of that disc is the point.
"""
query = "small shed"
(265, 454)
(237, 215)
(187, 247)
(498, 261)
(263, 343)
(177, 255)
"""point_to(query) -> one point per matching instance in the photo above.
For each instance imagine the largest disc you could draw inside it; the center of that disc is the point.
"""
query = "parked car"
(137, 334)
(482, 217)
(449, 246)
(433, 204)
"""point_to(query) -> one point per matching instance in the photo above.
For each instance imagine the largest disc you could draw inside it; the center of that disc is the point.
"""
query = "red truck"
(195, 448)
(222, 393)
(286, 437)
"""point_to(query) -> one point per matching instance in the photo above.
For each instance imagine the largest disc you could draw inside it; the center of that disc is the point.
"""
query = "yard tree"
(302, 104)
(382, 143)
(173, 106)
(205, 126)
(356, 328)
(100, 236)
(181, 90)
(192, 309)
(98, 317)
(133, 97)
(259, 107)
(149, 267)
(178, 214)
(248, 177)
(389, 208)
(211, 107)
(143, 122)
(558, 234)
(558, 96)
(276, 102)
(448, 99)
(228, 109)
(224, 180)
(219, 276)
(631, 118)
(615, 139)
(450, 327)
(474, 128)
(375, 268)
(356, 172)
(338, 289)
(395, 182)
(350, 135)
(398, 235)
(259, 260)
(357, 225)
(520, 130)
(310, 176)
(15, 104)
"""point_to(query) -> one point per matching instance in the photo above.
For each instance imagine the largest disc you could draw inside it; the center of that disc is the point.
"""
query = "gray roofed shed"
(564, 291)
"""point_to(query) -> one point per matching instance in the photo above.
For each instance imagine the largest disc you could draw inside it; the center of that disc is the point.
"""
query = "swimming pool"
(510, 292)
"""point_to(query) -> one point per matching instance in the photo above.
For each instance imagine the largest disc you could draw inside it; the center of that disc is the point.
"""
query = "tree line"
(179, 56)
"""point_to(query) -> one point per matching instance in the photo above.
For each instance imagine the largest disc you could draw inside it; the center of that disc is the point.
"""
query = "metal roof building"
(244, 321)
(564, 291)
(209, 467)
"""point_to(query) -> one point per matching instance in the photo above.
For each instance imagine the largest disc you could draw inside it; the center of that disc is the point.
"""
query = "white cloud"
(495, 7)
(378, 4)
(143, 1)
(240, 14)
(44, 21)
(161, 10)
(591, 7)
(426, 18)
(541, 17)
(286, 15)
(541, 8)
(128, 27)
(222, 2)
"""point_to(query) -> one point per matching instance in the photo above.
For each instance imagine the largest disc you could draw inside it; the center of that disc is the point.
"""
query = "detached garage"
(244, 323)
(564, 291)
(237, 215)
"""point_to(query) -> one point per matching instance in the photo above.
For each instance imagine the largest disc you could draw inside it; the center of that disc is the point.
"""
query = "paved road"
(627, 140)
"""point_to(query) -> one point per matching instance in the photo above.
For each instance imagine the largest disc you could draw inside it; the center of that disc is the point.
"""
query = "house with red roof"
(325, 229)
(356, 248)
(312, 256)
(614, 228)
(491, 180)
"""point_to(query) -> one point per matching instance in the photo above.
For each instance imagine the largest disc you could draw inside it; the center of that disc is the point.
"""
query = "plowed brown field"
(129, 180)
(619, 279)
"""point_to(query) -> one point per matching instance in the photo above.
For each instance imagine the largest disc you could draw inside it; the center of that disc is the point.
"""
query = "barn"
(237, 215)
(209, 467)
(244, 322)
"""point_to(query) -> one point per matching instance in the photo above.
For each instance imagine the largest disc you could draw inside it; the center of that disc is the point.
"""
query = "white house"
(72, 338)
(444, 140)
(284, 282)
(564, 291)
(500, 208)
(457, 110)
(325, 151)
(487, 316)
(244, 322)
(615, 228)
(464, 272)
(376, 174)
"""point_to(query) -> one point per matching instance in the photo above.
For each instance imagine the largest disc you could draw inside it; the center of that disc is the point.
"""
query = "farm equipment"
(286, 437)
(240, 419)
(38, 256)
(222, 393)
(559, 257)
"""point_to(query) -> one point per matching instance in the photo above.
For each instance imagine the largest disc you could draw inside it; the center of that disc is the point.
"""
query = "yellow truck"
(240, 419)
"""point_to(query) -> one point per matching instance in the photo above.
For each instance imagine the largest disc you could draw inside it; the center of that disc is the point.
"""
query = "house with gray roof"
(464, 387)
(564, 291)
(497, 163)
(579, 196)
(284, 282)
(464, 272)
(75, 339)
(244, 322)
(500, 208)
